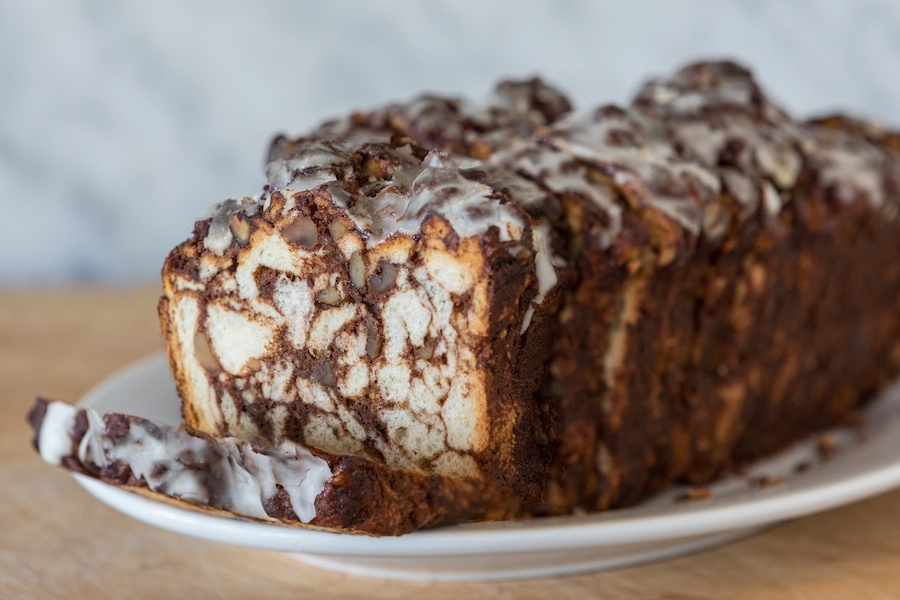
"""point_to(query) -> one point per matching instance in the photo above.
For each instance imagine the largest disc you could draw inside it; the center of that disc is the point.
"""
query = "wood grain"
(58, 542)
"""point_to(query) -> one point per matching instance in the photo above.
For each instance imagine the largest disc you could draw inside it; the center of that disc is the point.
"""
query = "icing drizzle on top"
(683, 146)
(387, 189)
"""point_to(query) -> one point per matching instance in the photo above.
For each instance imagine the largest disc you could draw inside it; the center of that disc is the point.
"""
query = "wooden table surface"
(58, 542)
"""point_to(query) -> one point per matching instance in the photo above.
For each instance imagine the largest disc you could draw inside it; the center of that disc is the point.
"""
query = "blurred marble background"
(123, 122)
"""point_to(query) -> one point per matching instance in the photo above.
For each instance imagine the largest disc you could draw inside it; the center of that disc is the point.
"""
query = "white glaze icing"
(640, 151)
(559, 172)
(54, 441)
(220, 236)
(545, 264)
(438, 186)
(435, 185)
(850, 166)
(310, 155)
(222, 472)
(771, 199)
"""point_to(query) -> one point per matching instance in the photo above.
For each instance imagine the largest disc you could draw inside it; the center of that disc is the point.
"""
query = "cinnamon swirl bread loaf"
(561, 310)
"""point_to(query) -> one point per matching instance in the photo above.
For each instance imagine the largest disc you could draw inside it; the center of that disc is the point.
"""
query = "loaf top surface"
(681, 146)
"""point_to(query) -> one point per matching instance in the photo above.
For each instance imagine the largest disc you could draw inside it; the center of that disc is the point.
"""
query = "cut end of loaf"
(324, 322)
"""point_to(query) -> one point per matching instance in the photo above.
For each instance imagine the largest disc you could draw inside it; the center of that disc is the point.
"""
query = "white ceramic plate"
(867, 463)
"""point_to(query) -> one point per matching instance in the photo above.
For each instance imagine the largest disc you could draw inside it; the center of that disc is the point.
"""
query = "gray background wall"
(122, 123)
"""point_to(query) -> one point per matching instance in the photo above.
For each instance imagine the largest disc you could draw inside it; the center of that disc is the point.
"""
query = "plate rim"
(753, 509)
